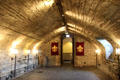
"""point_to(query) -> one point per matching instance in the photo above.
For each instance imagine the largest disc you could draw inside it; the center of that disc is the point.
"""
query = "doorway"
(67, 50)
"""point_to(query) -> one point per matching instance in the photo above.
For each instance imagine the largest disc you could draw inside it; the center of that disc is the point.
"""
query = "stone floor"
(65, 73)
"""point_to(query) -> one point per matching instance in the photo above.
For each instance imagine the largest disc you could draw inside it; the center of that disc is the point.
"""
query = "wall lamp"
(98, 51)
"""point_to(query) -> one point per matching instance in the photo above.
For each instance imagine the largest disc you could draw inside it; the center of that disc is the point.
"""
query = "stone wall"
(12, 40)
(111, 69)
(46, 52)
(89, 59)
(7, 64)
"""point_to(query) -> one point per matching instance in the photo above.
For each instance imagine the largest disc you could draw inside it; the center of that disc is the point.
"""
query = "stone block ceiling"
(38, 19)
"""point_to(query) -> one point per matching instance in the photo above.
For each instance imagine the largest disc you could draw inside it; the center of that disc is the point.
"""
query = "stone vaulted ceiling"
(94, 18)
(44, 19)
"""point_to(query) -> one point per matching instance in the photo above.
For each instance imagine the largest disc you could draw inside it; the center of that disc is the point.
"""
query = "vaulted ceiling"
(94, 18)
(44, 19)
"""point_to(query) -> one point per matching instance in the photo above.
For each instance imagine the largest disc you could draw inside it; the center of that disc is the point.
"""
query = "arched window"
(108, 47)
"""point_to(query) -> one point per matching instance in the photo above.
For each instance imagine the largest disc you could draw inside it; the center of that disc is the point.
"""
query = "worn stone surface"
(65, 73)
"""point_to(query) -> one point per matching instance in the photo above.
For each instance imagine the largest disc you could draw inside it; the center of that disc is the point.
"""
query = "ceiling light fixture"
(67, 35)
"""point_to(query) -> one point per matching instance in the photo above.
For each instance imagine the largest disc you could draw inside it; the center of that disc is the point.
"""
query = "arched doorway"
(67, 49)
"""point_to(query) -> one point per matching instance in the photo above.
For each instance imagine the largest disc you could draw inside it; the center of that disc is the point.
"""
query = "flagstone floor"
(65, 73)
